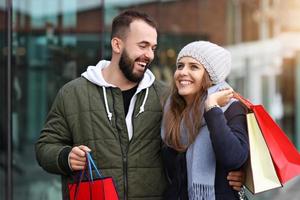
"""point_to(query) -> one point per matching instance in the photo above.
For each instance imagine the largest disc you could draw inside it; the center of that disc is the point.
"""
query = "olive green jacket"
(79, 116)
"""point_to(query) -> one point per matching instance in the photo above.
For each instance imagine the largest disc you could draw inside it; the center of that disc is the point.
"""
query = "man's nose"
(149, 54)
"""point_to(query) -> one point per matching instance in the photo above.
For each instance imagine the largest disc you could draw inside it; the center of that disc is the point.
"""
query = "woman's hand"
(220, 98)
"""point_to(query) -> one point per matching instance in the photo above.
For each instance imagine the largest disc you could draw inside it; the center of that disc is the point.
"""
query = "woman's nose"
(183, 71)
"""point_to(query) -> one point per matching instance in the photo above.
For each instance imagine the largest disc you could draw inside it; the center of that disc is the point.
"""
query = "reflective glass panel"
(53, 43)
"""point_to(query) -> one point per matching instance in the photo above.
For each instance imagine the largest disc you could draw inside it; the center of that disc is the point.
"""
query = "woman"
(202, 119)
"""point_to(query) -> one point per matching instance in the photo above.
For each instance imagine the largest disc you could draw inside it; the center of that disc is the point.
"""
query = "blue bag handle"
(92, 164)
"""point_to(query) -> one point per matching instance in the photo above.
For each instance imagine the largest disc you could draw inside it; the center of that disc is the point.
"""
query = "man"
(114, 110)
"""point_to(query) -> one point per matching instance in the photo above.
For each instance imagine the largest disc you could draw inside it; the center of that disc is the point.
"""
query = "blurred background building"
(44, 44)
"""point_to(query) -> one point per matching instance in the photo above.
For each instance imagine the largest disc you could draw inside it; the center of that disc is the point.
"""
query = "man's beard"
(126, 65)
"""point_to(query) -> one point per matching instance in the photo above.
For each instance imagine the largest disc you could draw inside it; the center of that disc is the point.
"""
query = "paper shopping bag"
(285, 156)
(260, 171)
(102, 188)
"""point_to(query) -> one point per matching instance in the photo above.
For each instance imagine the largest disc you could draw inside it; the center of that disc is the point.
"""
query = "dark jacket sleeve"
(55, 141)
(228, 132)
(175, 168)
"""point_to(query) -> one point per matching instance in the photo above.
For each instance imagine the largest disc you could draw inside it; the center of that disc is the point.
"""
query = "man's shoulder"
(79, 86)
(160, 85)
(75, 84)
(162, 90)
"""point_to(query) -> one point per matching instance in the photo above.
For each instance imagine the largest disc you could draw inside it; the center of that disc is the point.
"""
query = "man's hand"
(236, 179)
(77, 157)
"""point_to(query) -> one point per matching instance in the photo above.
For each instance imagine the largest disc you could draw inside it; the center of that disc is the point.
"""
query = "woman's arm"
(228, 132)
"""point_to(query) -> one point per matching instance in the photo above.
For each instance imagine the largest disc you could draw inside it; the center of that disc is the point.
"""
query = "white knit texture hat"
(215, 59)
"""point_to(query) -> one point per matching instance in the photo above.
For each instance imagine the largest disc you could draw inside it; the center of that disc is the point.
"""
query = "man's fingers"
(77, 167)
(236, 173)
(235, 178)
(78, 152)
(77, 157)
(74, 156)
(235, 184)
(77, 162)
(81, 150)
(84, 148)
(237, 188)
(239, 173)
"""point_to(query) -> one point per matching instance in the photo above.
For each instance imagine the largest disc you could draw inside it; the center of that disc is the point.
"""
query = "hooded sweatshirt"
(94, 75)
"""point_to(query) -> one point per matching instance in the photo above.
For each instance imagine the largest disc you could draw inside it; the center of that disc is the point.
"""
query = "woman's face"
(188, 78)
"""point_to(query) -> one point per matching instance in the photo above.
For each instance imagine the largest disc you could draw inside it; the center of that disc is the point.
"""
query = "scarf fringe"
(202, 192)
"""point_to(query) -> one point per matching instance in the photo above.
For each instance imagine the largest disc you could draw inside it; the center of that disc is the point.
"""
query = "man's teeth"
(185, 82)
(143, 64)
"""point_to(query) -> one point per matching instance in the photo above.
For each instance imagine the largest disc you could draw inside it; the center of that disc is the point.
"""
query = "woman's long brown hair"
(178, 111)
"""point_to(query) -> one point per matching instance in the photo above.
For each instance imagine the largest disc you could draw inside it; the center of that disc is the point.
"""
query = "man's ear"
(117, 45)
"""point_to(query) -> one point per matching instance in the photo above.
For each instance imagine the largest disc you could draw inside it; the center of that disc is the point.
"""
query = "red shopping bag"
(285, 156)
(102, 188)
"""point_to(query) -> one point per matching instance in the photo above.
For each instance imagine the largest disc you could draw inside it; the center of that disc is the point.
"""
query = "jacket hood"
(94, 75)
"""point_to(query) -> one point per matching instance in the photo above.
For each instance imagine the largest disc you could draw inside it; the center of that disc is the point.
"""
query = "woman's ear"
(117, 45)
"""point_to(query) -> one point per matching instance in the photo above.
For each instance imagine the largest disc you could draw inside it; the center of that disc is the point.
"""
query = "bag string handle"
(89, 164)
(78, 183)
(243, 100)
(92, 164)
(88, 175)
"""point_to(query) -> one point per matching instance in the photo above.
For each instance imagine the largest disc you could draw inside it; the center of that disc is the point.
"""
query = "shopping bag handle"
(89, 174)
(80, 180)
(243, 100)
(92, 164)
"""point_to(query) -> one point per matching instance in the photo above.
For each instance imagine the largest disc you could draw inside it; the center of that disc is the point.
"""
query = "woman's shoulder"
(236, 108)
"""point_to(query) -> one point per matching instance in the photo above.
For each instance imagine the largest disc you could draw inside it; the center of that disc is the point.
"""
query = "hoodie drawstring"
(142, 107)
(109, 114)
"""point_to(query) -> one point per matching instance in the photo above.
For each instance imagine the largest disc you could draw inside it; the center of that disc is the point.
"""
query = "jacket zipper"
(124, 159)
(125, 177)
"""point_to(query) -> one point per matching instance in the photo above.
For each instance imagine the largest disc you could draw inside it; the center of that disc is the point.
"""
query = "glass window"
(3, 95)
(53, 43)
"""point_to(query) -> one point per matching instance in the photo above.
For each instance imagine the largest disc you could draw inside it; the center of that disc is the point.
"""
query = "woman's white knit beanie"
(215, 59)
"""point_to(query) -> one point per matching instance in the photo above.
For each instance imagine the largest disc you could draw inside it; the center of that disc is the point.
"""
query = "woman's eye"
(179, 66)
(194, 67)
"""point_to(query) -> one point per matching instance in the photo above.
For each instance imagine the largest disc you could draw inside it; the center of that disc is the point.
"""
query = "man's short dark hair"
(121, 23)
